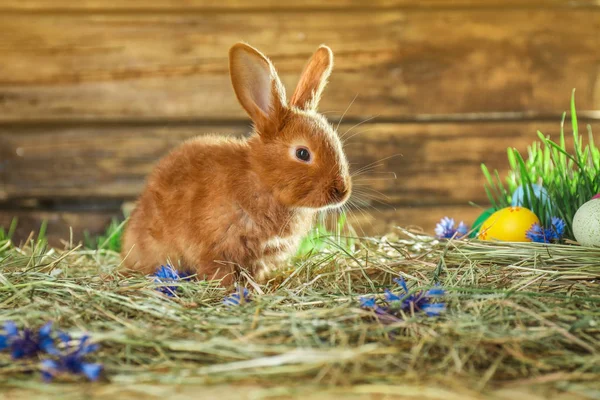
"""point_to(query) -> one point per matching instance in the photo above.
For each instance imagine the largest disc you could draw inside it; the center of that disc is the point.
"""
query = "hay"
(516, 313)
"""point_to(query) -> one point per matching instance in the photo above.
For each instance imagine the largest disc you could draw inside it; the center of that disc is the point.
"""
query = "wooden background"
(93, 92)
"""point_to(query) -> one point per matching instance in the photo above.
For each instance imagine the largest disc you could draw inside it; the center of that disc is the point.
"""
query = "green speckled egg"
(586, 223)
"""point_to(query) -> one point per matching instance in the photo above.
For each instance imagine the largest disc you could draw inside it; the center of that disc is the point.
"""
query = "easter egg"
(586, 223)
(518, 197)
(480, 220)
(596, 196)
(509, 224)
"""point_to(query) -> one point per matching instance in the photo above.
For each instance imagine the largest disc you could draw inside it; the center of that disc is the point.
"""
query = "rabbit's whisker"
(344, 114)
(345, 139)
(376, 162)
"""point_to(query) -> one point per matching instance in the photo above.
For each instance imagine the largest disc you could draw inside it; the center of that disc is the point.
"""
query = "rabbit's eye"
(303, 154)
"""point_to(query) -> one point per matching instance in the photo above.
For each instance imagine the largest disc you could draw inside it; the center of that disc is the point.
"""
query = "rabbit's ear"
(313, 79)
(257, 86)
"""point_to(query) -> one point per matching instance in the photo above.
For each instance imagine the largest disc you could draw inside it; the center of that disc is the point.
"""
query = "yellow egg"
(509, 224)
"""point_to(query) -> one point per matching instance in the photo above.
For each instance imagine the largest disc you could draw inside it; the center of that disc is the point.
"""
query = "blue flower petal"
(368, 302)
(49, 369)
(445, 229)
(73, 361)
(47, 345)
(168, 290)
(11, 329)
(26, 343)
(416, 302)
(390, 297)
(536, 234)
(558, 227)
(400, 281)
(184, 276)
(46, 329)
(92, 371)
(434, 309)
(463, 229)
(3, 342)
(168, 274)
(17, 352)
(82, 342)
(90, 348)
(85, 348)
(47, 376)
(231, 301)
(64, 337)
(49, 364)
(45, 341)
(435, 292)
(237, 298)
(539, 234)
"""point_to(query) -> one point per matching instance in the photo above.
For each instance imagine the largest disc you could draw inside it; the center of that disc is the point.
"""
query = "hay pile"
(516, 313)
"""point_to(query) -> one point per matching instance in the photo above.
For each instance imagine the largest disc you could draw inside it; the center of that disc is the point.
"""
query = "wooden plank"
(434, 163)
(270, 5)
(369, 222)
(401, 64)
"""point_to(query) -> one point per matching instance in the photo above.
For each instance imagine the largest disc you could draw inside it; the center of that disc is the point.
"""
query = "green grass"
(322, 238)
(571, 176)
(6, 236)
(109, 240)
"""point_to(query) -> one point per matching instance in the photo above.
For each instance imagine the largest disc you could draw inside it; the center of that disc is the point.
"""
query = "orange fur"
(216, 204)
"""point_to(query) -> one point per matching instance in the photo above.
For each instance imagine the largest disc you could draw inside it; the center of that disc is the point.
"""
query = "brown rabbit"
(215, 204)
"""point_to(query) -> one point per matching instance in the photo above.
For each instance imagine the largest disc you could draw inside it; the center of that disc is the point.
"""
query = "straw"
(515, 312)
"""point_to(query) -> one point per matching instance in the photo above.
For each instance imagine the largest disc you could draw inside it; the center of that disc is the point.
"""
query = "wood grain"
(402, 64)
(435, 164)
(380, 222)
(208, 5)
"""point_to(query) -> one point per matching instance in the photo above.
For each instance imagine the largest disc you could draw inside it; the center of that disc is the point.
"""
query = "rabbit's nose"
(340, 189)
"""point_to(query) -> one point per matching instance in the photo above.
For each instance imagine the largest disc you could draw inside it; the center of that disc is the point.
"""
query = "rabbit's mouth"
(327, 202)
(339, 195)
(333, 206)
(339, 191)
(336, 197)
(327, 195)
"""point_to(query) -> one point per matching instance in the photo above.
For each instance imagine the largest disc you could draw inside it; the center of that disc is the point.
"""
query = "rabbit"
(216, 204)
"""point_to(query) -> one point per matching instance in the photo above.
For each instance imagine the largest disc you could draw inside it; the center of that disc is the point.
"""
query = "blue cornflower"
(368, 302)
(27, 343)
(395, 303)
(371, 302)
(241, 296)
(72, 360)
(539, 234)
(168, 274)
(420, 301)
(445, 229)
(383, 313)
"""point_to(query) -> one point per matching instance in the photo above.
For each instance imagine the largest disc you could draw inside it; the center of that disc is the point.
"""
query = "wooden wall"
(93, 92)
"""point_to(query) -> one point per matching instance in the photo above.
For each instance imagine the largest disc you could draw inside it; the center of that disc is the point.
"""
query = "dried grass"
(516, 314)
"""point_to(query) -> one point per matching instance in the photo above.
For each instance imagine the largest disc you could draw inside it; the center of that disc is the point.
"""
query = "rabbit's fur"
(215, 204)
